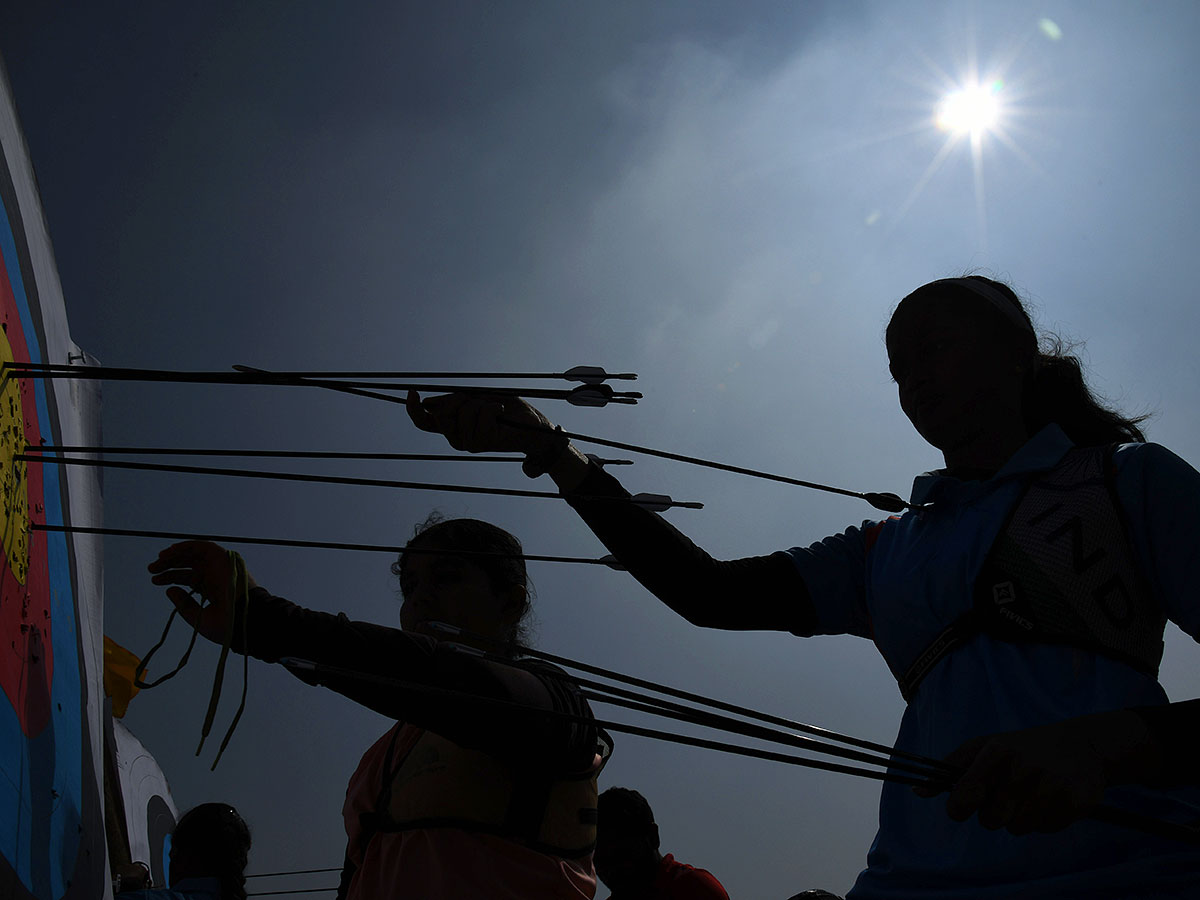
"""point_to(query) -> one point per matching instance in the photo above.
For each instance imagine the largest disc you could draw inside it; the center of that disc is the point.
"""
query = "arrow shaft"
(272, 454)
(691, 697)
(592, 372)
(259, 377)
(290, 454)
(451, 695)
(393, 549)
(693, 460)
(312, 479)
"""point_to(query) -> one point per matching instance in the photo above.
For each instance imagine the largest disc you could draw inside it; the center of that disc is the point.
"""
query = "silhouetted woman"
(475, 792)
(1020, 606)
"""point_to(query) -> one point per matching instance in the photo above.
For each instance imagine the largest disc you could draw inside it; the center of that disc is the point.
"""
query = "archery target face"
(27, 666)
(43, 750)
(14, 517)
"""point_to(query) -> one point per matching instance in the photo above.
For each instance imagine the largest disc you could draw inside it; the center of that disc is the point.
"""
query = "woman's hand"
(1045, 778)
(205, 568)
(471, 422)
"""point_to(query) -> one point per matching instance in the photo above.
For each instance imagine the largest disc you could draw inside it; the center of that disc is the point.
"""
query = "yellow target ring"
(14, 512)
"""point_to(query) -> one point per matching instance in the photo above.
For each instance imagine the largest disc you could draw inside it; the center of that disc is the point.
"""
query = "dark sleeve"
(348, 870)
(757, 592)
(525, 712)
(1175, 728)
(1159, 493)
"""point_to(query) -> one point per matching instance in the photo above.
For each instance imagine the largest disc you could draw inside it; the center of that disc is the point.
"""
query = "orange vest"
(439, 783)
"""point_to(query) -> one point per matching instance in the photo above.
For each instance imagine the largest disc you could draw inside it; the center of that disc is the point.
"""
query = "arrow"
(583, 395)
(318, 673)
(885, 502)
(778, 721)
(393, 549)
(653, 501)
(297, 454)
(586, 374)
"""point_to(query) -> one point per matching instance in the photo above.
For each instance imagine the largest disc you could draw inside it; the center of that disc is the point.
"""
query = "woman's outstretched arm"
(478, 703)
(757, 592)
(483, 704)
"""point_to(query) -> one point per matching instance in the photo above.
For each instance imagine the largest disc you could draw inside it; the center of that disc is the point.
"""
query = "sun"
(973, 109)
(972, 112)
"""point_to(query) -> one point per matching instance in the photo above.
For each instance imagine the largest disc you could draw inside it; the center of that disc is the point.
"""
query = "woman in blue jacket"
(1020, 602)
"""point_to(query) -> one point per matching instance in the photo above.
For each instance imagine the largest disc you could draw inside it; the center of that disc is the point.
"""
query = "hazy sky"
(726, 198)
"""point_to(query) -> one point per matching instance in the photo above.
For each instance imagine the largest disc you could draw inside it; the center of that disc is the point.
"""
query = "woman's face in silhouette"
(957, 366)
(442, 587)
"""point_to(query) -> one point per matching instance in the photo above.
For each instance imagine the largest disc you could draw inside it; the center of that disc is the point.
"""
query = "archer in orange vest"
(475, 792)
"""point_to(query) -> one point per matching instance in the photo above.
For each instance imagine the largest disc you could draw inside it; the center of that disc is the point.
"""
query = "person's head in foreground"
(211, 841)
(467, 573)
(627, 856)
(972, 379)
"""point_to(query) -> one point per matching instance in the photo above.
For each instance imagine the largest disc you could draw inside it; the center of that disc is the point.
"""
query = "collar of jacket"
(1040, 453)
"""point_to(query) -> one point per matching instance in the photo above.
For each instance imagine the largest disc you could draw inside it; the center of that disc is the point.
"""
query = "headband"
(998, 299)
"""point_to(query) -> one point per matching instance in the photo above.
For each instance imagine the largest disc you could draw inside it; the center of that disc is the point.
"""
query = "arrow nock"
(602, 461)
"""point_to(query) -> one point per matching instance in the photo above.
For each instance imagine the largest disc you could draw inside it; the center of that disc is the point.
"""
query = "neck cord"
(240, 595)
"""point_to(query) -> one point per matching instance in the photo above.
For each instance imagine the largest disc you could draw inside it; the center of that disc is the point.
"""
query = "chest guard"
(1061, 571)
(439, 784)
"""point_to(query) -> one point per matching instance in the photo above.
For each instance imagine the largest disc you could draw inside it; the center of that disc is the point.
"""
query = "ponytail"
(1056, 392)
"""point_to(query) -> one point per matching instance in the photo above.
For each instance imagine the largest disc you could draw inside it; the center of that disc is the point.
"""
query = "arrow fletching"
(886, 502)
(612, 562)
(599, 395)
(661, 502)
(653, 502)
(593, 374)
(590, 395)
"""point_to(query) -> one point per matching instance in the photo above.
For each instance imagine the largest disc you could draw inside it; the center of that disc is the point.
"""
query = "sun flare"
(972, 109)
(975, 108)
